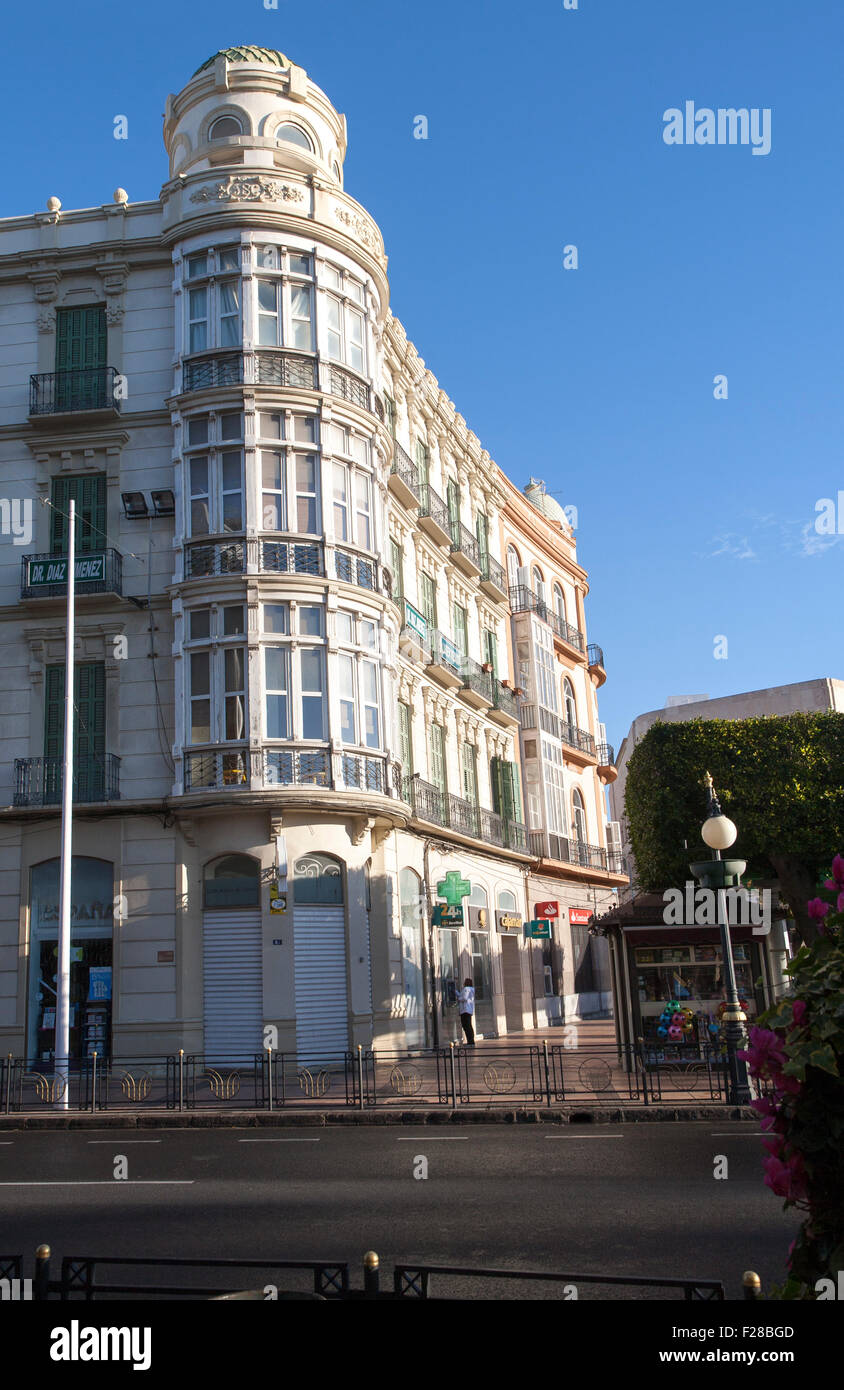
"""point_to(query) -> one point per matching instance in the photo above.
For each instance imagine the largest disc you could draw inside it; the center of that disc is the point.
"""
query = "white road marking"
(583, 1136)
(415, 1138)
(107, 1182)
(123, 1142)
(278, 1141)
(729, 1134)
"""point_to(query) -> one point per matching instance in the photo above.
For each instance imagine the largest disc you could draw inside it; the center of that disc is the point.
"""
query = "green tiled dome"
(247, 54)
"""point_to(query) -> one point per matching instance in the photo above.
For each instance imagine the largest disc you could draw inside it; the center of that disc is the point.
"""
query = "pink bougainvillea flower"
(769, 1111)
(785, 1085)
(838, 872)
(798, 1012)
(765, 1053)
(786, 1179)
(818, 909)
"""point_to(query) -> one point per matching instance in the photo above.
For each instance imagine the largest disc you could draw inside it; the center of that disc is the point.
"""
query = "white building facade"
(292, 617)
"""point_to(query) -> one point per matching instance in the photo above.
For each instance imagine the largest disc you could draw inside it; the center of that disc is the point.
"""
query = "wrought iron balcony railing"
(606, 754)
(504, 699)
(80, 388)
(524, 600)
(405, 470)
(297, 767)
(204, 559)
(433, 506)
(215, 767)
(477, 680)
(230, 767)
(546, 845)
(286, 369)
(45, 576)
(577, 738)
(493, 573)
(356, 569)
(223, 369)
(289, 557)
(456, 813)
(595, 655)
(39, 781)
(464, 543)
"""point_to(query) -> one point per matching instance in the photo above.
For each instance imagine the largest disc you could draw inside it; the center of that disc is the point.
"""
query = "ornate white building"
(292, 616)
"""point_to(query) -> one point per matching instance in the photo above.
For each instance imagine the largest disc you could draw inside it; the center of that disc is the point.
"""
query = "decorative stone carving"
(243, 189)
(47, 321)
(114, 313)
(358, 827)
(362, 230)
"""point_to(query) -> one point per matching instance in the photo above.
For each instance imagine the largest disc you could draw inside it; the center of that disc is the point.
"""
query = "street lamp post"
(720, 833)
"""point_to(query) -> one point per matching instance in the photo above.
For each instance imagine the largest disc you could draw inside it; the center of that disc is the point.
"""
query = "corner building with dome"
(298, 709)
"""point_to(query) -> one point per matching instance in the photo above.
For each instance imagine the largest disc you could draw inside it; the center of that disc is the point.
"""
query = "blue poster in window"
(99, 983)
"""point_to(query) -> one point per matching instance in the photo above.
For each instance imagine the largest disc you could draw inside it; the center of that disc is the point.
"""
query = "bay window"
(214, 481)
(216, 675)
(312, 665)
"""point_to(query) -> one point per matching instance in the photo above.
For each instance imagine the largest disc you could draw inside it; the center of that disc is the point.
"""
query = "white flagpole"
(62, 1043)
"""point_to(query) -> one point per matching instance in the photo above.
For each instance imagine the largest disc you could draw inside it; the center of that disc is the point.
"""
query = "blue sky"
(696, 516)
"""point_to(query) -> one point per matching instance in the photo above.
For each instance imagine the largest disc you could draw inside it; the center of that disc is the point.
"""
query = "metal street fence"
(455, 1077)
(94, 1278)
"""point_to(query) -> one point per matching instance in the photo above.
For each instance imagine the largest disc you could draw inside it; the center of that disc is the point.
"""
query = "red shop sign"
(579, 916)
(546, 911)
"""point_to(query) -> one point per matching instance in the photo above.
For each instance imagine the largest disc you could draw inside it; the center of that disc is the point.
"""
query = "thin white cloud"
(732, 544)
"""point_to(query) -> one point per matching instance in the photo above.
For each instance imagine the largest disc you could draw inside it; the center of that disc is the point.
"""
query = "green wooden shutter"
(461, 631)
(88, 731)
(397, 564)
(506, 800)
(470, 774)
(80, 338)
(491, 651)
(54, 712)
(405, 740)
(390, 414)
(89, 494)
(482, 529)
(428, 599)
(422, 463)
(454, 509)
(438, 775)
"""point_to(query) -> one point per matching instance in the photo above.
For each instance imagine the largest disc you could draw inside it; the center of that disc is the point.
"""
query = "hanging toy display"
(676, 1023)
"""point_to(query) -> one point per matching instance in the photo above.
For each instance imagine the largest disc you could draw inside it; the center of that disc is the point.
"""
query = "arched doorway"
(319, 945)
(233, 994)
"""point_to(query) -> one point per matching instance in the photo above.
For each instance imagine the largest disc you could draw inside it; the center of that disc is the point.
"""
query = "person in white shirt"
(466, 1000)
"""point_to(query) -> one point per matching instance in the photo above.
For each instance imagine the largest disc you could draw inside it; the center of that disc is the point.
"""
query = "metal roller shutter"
(511, 974)
(234, 1006)
(322, 1001)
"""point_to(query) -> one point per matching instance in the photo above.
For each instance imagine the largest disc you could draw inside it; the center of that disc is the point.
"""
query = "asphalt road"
(626, 1199)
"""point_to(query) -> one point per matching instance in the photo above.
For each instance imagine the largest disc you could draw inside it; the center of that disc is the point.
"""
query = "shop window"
(91, 927)
(232, 881)
(317, 878)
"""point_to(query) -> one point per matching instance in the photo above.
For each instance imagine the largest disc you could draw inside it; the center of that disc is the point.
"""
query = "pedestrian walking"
(466, 999)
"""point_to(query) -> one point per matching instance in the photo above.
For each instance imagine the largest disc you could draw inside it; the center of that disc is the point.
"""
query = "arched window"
(232, 881)
(559, 603)
(506, 901)
(294, 135)
(579, 817)
(538, 583)
(335, 169)
(514, 564)
(224, 128)
(478, 896)
(317, 878)
(569, 702)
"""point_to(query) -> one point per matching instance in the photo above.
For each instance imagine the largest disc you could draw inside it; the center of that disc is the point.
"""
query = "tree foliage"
(780, 778)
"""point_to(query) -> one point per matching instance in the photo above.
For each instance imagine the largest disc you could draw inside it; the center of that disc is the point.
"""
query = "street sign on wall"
(508, 921)
(91, 567)
(448, 915)
(538, 930)
(580, 916)
(547, 911)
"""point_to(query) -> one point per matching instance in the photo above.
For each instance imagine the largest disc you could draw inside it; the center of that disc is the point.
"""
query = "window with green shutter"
(470, 774)
(490, 650)
(454, 510)
(397, 566)
(405, 740)
(428, 599)
(89, 494)
(422, 464)
(506, 795)
(80, 338)
(461, 629)
(89, 711)
(482, 531)
(437, 748)
(390, 414)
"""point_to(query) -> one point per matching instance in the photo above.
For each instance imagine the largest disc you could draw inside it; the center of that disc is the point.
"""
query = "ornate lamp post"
(720, 833)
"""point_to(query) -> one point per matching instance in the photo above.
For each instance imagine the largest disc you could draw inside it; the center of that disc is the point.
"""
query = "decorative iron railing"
(39, 781)
(432, 505)
(493, 573)
(80, 388)
(202, 373)
(290, 557)
(356, 569)
(504, 699)
(405, 470)
(456, 813)
(577, 738)
(215, 767)
(476, 679)
(297, 767)
(544, 844)
(278, 368)
(524, 600)
(100, 572)
(210, 558)
(595, 655)
(606, 754)
(463, 541)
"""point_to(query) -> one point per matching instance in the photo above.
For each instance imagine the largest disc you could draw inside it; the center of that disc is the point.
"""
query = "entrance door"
(319, 945)
(234, 1013)
(511, 972)
(81, 358)
(450, 983)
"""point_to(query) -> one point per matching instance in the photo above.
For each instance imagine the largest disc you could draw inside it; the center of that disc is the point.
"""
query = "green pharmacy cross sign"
(454, 888)
(39, 572)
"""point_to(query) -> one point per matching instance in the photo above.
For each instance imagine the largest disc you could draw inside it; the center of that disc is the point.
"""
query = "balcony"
(414, 640)
(477, 685)
(545, 845)
(442, 809)
(446, 664)
(278, 367)
(578, 739)
(433, 515)
(465, 551)
(45, 576)
(524, 600)
(607, 770)
(39, 781)
(228, 768)
(403, 481)
(210, 559)
(505, 709)
(215, 768)
(356, 569)
(81, 390)
(493, 579)
(595, 660)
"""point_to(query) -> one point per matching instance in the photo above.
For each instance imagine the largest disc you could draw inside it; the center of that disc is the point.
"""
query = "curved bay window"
(233, 880)
(91, 934)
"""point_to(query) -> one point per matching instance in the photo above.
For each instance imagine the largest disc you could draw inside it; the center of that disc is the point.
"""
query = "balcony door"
(88, 732)
(81, 358)
(89, 494)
